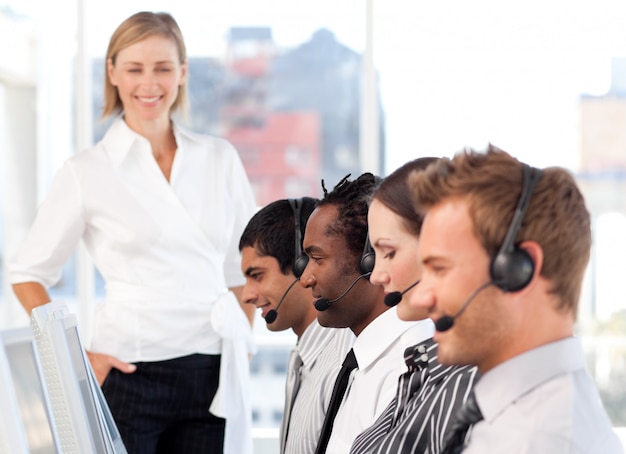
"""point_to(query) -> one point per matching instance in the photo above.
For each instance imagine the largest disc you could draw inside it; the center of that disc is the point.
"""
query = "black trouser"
(163, 407)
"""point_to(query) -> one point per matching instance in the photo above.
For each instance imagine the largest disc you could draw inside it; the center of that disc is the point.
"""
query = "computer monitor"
(82, 417)
(25, 411)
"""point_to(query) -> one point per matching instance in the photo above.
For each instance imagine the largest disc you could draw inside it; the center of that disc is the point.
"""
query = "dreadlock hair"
(351, 199)
(271, 231)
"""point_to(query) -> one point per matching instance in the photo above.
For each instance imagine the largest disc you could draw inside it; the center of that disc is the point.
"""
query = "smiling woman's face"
(147, 75)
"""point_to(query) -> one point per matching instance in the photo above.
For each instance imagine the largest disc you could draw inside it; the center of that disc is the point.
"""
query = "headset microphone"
(392, 299)
(324, 303)
(271, 315)
(446, 322)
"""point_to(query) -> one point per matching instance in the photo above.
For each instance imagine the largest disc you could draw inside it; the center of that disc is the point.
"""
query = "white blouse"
(168, 251)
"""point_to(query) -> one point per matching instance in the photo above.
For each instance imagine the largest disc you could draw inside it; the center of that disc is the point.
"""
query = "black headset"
(512, 268)
(368, 257)
(300, 259)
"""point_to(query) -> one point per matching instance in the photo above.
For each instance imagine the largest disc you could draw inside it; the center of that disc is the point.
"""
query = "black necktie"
(335, 399)
(468, 415)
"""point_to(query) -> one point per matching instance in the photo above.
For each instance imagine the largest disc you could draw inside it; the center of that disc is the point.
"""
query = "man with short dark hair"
(272, 261)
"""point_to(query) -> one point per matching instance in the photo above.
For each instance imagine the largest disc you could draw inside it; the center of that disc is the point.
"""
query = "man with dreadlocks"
(340, 263)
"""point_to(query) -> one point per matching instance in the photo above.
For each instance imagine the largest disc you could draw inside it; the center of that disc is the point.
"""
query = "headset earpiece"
(512, 271)
(368, 257)
(512, 268)
(300, 260)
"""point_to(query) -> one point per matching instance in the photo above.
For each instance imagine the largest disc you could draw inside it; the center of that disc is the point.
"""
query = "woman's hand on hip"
(102, 365)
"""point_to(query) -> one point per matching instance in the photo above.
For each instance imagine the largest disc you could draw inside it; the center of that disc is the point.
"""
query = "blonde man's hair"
(557, 217)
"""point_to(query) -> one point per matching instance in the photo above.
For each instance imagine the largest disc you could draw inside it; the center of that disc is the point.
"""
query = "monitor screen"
(26, 413)
(74, 392)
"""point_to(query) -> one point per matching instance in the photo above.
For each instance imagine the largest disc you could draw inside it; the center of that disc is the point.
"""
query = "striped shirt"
(322, 350)
(427, 398)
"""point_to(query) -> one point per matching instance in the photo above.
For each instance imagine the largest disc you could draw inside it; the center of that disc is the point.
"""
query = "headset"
(368, 257)
(512, 268)
(300, 260)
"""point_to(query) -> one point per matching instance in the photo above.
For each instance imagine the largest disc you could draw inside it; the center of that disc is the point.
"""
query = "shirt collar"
(503, 384)
(382, 332)
(419, 356)
(119, 139)
(424, 356)
(313, 341)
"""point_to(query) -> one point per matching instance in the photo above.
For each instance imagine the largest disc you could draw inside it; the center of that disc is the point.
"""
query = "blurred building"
(293, 114)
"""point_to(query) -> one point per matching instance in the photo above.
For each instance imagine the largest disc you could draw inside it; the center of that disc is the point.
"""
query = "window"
(282, 81)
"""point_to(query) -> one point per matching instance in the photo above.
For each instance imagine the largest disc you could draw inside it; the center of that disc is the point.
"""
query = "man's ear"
(535, 251)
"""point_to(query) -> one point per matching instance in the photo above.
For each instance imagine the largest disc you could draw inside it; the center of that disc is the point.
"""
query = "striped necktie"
(410, 382)
(291, 390)
(468, 415)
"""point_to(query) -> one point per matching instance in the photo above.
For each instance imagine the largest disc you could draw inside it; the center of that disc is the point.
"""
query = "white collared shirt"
(542, 401)
(168, 251)
(379, 351)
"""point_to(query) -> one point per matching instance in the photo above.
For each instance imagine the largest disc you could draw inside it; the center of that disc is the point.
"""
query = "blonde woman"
(160, 210)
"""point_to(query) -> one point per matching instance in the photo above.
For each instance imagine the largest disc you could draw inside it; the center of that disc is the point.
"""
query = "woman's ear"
(183, 73)
(111, 72)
